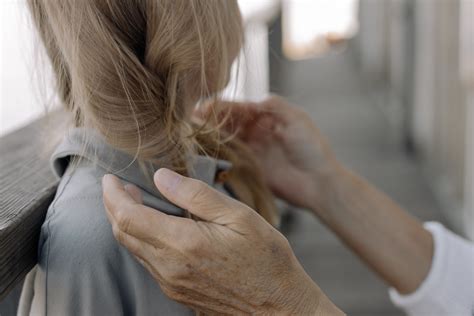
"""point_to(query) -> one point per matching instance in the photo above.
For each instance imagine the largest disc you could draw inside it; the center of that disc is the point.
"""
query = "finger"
(196, 197)
(136, 246)
(147, 255)
(153, 269)
(131, 218)
(134, 192)
(278, 108)
(233, 117)
(243, 108)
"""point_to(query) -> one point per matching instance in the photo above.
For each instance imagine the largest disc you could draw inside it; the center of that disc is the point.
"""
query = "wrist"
(317, 304)
(326, 186)
(327, 308)
(300, 295)
(311, 301)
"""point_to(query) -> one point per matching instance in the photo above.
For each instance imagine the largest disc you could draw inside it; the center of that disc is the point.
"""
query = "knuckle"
(284, 242)
(177, 284)
(115, 230)
(123, 221)
(174, 275)
(274, 100)
(118, 234)
(170, 292)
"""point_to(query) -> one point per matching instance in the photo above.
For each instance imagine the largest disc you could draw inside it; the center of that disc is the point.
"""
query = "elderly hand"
(230, 262)
(300, 167)
(296, 161)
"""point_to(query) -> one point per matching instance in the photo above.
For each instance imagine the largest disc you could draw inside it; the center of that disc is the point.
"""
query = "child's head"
(134, 69)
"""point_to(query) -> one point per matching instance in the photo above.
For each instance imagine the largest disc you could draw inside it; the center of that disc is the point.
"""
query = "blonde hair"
(133, 69)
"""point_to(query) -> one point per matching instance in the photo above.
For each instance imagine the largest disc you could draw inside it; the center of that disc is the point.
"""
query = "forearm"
(393, 243)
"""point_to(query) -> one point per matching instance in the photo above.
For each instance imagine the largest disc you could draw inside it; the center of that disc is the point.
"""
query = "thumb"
(196, 197)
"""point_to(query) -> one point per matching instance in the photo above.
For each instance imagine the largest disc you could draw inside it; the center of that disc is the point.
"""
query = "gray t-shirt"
(82, 269)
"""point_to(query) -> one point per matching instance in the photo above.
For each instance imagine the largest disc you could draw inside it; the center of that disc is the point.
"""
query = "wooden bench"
(27, 187)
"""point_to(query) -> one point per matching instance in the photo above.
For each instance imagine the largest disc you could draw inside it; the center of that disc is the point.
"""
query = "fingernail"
(106, 177)
(168, 178)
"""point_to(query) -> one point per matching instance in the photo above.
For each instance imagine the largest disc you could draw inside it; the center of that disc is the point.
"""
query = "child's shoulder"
(87, 270)
(79, 184)
(76, 221)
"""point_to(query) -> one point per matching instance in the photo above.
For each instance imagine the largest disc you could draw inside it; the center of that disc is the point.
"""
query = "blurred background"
(389, 82)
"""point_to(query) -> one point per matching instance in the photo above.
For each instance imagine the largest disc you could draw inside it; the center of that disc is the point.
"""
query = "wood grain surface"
(27, 187)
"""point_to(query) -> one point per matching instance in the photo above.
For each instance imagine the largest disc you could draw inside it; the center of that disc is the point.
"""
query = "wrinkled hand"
(296, 161)
(231, 262)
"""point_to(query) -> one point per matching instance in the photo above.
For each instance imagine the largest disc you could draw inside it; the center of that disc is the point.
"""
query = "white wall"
(250, 80)
(20, 100)
(250, 73)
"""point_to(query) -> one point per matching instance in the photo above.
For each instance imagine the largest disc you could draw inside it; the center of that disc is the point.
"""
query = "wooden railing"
(27, 187)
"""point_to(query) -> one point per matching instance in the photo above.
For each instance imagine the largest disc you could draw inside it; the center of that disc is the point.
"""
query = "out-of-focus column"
(424, 81)
(373, 40)
(467, 75)
(250, 73)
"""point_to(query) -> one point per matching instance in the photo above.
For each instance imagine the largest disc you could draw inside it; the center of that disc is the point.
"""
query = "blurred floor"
(331, 90)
